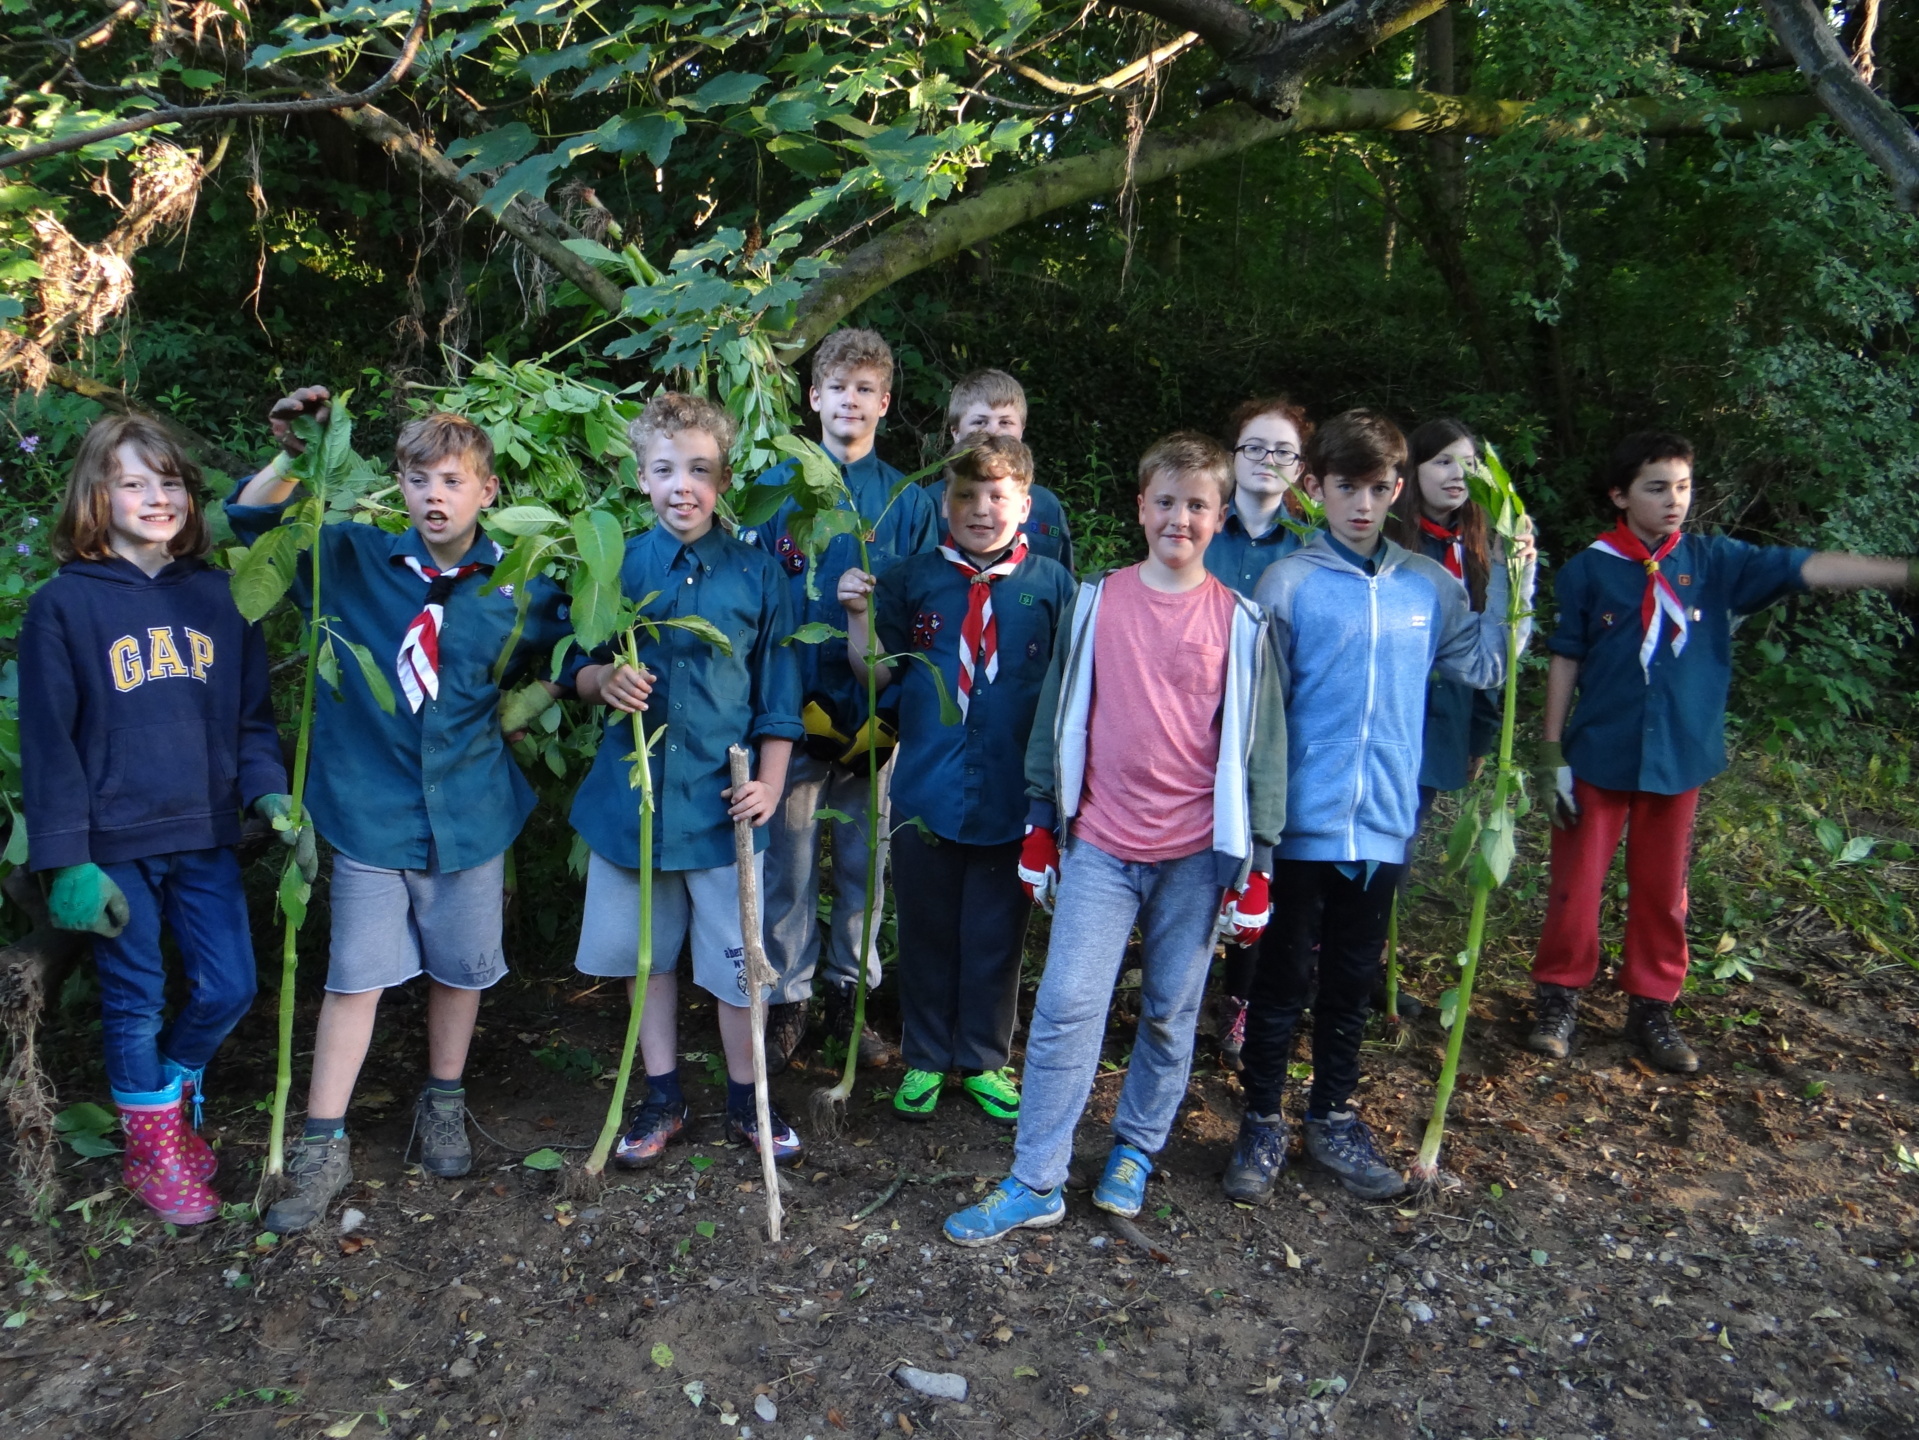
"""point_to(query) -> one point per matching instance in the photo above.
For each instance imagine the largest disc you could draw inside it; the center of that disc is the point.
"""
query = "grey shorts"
(700, 906)
(389, 925)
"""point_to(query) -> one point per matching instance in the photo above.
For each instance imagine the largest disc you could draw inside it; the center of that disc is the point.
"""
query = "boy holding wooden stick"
(707, 699)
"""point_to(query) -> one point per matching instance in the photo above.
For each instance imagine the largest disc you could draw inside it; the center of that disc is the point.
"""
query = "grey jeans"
(1175, 903)
(793, 878)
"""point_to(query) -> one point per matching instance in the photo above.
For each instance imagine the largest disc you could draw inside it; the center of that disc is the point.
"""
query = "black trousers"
(1313, 904)
(962, 927)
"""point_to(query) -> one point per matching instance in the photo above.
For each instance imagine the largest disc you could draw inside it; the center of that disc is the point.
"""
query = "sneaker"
(1008, 1206)
(655, 1125)
(785, 1032)
(874, 1051)
(996, 1092)
(1122, 1189)
(1232, 1036)
(744, 1130)
(1555, 1018)
(918, 1094)
(1343, 1144)
(320, 1167)
(1259, 1157)
(1650, 1023)
(439, 1124)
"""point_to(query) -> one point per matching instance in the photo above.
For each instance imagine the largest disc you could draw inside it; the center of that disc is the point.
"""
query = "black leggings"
(1315, 905)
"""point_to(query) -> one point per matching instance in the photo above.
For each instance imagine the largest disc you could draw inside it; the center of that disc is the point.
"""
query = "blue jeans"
(1175, 903)
(199, 895)
(793, 878)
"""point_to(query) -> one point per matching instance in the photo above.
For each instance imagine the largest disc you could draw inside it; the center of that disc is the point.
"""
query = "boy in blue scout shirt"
(852, 388)
(983, 609)
(991, 402)
(421, 804)
(705, 701)
(1644, 640)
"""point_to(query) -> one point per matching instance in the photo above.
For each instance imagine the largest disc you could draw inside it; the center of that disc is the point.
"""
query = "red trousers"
(1658, 830)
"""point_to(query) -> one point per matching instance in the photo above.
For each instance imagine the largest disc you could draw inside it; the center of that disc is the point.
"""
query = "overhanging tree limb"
(238, 110)
(915, 244)
(1864, 114)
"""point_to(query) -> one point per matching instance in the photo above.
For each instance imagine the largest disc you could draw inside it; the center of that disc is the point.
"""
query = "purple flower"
(33, 522)
(24, 548)
(29, 443)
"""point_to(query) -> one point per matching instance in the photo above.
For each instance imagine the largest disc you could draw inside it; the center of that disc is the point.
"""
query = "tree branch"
(239, 110)
(922, 241)
(209, 452)
(1119, 79)
(1225, 26)
(1878, 129)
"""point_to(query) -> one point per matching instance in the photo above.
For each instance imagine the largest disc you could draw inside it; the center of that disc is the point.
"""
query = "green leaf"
(820, 483)
(702, 627)
(814, 632)
(544, 1160)
(1448, 1008)
(328, 665)
(949, 710)
(493, 149)
(199, 79)
(85, 1118)
(701, 1162)
(525, 520)
(370, 672)
(601, 546)
(760, 503)
(596, 609)
(265, 572)
(1464, 837)
(16, 851)
(729, 89)
(1497, 846)
(662, 1354)
(707, 1229)
(294, 893)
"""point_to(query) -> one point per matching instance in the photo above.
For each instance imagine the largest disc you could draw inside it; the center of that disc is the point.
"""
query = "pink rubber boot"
(157, 1166)
(202, 1162)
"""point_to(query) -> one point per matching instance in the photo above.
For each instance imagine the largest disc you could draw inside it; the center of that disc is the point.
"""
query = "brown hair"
(991, 388)
(1357, 446)
(670, 413)
(991, 457)
(81, 532)
(1634, 453)
(1250, 410)
(1188, 452)
(852, 350)
(1475, 534)
(439, 435)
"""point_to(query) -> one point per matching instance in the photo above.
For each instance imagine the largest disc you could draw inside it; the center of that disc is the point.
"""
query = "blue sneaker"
(1008, 1206)
(1259, 1155)
(1122, 1189)
(1342, 1143)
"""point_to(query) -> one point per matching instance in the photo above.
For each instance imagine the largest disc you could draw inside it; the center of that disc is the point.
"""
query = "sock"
(455, 1086)
(667, 1087)
(321, 1128)
(739, 1098)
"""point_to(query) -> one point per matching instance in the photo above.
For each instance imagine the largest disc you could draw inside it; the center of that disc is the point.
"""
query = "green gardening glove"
(520, 709)
(84, 897)
(1553, 778)
(298, 838)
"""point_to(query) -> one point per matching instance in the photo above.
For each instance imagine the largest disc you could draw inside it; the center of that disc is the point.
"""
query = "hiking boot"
(1555, 1018)
(320, 1167)
(1122, 1189)
(996, 1093)
(1008, 1206)
(1343, 1144)
(655, 1125)
(918, 1094)
(156, 1165)
(874, 1051)
(1232, 1035)
(785, 1032)
(744, 1130)
(1258, 1160)
(439, 1124)
(1650, 1024)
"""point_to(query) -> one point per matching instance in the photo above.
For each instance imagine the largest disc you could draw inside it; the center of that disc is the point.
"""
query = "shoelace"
(649, 1115)
(1556, 1009)
(1127, 1171)
(1236, 1032)
(1268, 1144)
(1353, 1142)
(442, 1123)
(1658, 1027)
(309, 1159)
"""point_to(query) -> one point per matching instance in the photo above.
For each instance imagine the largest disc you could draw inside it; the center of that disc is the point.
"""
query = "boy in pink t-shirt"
(1159, 749)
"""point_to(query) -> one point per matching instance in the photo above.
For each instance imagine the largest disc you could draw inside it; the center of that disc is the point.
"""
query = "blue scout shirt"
(706, 700)
(967, 782)
(1665, 735)
(1461, 722)
(911, 527)
(1047, 532)
(384, 788)
(1239, 558)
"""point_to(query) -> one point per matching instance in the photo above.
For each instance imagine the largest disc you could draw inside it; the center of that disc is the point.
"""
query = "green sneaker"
(997, 1093)
(919, 1094)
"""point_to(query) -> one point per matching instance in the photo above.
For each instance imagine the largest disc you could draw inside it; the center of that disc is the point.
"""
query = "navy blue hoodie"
(145, 723)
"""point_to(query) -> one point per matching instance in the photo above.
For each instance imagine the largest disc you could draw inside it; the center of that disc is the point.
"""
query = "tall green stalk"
(1392, 964)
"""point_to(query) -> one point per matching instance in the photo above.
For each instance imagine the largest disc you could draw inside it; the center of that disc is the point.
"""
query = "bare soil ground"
(1628, 1255)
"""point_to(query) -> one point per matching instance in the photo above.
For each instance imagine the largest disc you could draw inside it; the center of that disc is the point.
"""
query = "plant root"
(1430, 1182)
(826, 1109)
(577, 1183)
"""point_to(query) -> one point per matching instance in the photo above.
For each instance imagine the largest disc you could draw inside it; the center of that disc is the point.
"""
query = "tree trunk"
(1864, 114)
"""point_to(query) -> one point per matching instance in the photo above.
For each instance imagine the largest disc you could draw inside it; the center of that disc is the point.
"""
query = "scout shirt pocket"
(172, 770)
(1198, 669)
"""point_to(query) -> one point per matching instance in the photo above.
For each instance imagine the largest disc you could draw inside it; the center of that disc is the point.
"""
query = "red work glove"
(1039, 866)
(1244, 914)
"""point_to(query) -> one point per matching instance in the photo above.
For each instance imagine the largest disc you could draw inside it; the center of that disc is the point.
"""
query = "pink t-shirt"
(1152, 745)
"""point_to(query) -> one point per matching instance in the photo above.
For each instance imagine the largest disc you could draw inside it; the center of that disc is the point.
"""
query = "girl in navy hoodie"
(145, 730)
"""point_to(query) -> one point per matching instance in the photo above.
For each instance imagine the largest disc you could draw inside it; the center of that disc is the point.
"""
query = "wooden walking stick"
(759, 975)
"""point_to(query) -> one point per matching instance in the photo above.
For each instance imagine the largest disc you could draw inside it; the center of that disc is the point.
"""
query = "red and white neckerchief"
(979, 635)
(1660, 602)
(419, 660)
(1454, 555)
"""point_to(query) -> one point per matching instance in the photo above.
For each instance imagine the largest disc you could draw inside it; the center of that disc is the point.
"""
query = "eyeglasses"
(1259, 454)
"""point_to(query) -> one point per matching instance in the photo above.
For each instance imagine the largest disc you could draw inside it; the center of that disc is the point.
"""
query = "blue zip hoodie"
(145, 722)
(1355, 649)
